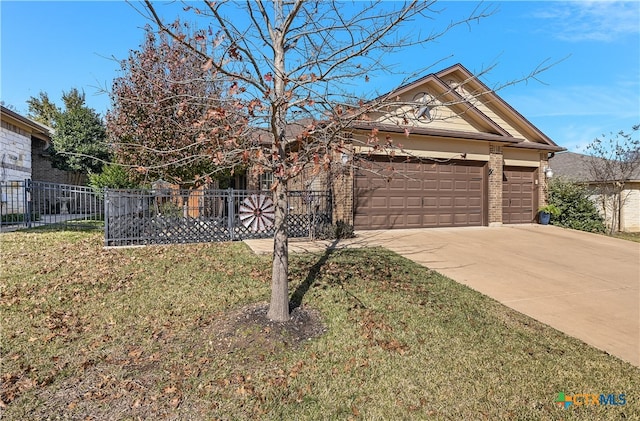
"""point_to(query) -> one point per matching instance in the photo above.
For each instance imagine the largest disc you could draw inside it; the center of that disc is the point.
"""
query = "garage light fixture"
(548, 172)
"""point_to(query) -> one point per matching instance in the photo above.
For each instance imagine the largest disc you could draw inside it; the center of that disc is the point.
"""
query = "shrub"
(577, 211)
(113, 176)
(15, 218)
(551, 209)
(170, 210)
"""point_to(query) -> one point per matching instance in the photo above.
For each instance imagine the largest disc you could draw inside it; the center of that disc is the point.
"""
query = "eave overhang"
(426, 131)
(36, 129)
(506, 141)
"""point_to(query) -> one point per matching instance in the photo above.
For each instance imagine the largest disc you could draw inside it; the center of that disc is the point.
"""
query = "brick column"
(495, 185)
(342, 186)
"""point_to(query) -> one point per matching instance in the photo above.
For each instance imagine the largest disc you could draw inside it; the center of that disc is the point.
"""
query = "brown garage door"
(420, 195)
(519, 198)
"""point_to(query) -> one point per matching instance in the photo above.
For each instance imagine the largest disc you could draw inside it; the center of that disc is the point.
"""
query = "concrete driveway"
(585, 285)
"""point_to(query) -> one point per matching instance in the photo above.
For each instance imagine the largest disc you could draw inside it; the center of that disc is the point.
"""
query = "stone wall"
(15, 153)
(15, 167)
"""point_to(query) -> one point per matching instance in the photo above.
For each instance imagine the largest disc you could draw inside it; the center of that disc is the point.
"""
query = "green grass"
(142, 333)
(631, 236)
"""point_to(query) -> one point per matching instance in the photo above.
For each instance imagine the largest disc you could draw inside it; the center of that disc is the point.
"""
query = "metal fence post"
(230, 214)
(106, 216)
(27, 202)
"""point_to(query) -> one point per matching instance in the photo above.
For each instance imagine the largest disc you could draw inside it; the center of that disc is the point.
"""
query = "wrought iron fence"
(171, 215)
(27, 203)
(14, 210)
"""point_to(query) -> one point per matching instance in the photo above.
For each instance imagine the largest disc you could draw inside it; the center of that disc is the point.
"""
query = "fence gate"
(172, 215)
(27, 203)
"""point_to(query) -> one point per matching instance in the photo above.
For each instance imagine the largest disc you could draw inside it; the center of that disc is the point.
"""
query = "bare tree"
(292, 63)
(612, 162)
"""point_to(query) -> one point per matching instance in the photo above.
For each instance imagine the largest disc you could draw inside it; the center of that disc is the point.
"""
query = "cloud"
(603, 21)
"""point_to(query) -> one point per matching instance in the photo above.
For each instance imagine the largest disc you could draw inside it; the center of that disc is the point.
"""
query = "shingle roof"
(574, 166)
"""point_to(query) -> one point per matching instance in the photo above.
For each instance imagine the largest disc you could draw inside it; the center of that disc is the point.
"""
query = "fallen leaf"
(135, 353)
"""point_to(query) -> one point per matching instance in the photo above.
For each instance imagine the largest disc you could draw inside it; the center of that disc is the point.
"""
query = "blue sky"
(54, 46)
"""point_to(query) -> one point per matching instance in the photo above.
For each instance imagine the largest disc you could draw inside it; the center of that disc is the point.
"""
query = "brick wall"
(339, 179)
(43, 170)
(343, 194)
(495, 184)
(310, 178)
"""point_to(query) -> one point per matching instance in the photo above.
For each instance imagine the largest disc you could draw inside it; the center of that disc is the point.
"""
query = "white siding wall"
(631, 209)
(630, 212)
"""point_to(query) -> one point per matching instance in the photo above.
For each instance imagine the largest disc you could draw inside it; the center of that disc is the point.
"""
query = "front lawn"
(160, 333)
(631, 236)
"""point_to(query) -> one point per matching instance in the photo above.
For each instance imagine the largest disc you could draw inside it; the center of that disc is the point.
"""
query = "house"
(467, 159)
(24, 155)
(625, 214)
(24, 151)
(17, 136)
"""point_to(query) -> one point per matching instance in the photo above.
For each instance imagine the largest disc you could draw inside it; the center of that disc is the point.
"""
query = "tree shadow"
(303, 288)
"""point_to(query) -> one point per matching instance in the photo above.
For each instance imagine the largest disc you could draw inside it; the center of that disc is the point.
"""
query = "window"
(265, 180)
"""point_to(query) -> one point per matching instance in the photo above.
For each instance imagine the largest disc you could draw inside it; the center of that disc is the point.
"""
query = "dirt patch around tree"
(248, 329)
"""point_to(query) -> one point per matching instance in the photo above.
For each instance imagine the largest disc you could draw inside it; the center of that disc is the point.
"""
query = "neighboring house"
(575, 167)
(17, 135)
(467, 159)
(24, 146)
(24, 151)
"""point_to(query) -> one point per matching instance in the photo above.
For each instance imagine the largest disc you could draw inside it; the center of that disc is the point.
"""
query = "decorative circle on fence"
(257, 212)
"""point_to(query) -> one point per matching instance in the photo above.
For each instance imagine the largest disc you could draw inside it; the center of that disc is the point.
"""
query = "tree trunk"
(279, 306)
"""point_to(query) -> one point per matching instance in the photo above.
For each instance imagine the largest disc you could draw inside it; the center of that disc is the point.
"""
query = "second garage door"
(519, 198)
(420, 195)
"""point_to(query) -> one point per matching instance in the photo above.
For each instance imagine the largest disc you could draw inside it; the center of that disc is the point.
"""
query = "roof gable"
(456, 100)
(498, 107)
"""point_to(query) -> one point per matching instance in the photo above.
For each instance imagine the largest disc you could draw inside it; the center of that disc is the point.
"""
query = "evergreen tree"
(42, 110)
(79, 140)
